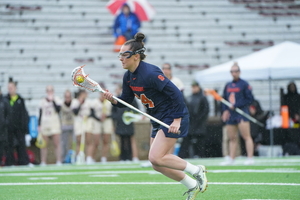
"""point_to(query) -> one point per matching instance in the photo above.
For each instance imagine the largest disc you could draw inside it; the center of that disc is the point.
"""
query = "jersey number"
(145, 100)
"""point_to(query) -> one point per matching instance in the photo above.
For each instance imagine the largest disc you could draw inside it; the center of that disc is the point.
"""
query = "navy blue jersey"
(239, 94)
(158, 94)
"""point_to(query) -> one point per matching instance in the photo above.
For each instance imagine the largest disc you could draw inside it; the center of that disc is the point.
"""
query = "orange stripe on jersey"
(233, 89)
(138, 89)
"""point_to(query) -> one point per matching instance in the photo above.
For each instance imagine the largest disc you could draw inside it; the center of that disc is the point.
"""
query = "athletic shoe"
(58, 163)
(90, 160)
(228, 161)
(249, 161)
(135, 160)
(201, 178)
(192, 193)
(146, 164)
(30, 165)
(103, 160)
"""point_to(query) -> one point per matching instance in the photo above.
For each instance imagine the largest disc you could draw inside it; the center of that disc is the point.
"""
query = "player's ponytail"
(137, 45)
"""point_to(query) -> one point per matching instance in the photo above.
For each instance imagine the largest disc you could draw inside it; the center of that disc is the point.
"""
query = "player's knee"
(154, 159)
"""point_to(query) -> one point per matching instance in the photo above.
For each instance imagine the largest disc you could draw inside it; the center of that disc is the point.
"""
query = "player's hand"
(225, 115)
(109, 96)
(174, 127)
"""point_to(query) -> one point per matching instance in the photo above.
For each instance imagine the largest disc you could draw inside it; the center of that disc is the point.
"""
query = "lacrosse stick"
(129, 117)
(91, 85)
(219, 98)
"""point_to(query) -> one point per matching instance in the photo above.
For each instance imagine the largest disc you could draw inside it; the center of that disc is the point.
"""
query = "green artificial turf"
(277, 178)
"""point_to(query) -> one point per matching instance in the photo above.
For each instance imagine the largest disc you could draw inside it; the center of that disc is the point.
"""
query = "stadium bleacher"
(43, 40)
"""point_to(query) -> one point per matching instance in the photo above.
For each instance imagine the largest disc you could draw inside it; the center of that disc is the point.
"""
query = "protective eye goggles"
(128, 54)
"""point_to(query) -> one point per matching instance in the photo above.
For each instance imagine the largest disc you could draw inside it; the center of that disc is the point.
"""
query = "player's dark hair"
(10, 80)
(137, 45)
(80, 91)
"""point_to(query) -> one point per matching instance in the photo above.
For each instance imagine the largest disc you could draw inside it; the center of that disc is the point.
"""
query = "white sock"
(192, 169)
(188, 182)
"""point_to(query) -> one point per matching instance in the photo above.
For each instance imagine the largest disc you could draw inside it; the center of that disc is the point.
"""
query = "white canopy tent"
(281, 61)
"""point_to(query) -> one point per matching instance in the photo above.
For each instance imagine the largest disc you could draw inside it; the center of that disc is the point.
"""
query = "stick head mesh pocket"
(87, 83)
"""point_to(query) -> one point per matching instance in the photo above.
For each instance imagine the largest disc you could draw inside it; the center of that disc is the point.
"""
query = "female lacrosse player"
(49, 123)
(165, 102)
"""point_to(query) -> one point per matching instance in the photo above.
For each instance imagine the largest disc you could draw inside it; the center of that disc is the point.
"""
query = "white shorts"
(93, 126)
(49, 131)
(107, 126)
(80, 126)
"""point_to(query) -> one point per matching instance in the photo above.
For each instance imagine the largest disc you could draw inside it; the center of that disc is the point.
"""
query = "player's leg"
(106, 137)
(134, 149)
(44, 151)
(105, 146)
(78, 140)
(96, 138)
(172, 166)
(232, 132)
(56, 140)
(244, 127)
(89, 148)
(164, 162)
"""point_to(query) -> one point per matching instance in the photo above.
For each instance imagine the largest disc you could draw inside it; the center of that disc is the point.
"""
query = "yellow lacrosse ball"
(79, 79)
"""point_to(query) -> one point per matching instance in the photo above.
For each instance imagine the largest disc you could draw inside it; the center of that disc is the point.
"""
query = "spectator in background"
(167, 70)
(67, 123)
(292, 100)
(126, 23)
(4, 117)
(256, 131)
(194, 144)
(17, 127)
(81, 108)
(107, 127)
(49, 124)
(125, 131)
(94, 127)
(239, 93)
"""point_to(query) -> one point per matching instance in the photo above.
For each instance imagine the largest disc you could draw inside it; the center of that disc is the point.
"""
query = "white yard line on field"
(112, 175)
(144, 183)
(259, 161)
(289, 170)
(42, 178)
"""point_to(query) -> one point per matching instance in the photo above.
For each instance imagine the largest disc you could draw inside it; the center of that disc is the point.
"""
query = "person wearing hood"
(194, 144)
(17, 127)
(292, 100)
(4, 114)
(126, 23)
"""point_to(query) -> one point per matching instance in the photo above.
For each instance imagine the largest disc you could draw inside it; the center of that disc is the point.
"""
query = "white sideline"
(144, 183)
(289, 170)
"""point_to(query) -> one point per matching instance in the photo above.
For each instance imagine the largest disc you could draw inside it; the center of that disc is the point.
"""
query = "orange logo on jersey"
(161, 77)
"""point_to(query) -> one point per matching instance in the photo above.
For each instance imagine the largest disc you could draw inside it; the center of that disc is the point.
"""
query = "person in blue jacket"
(239, 93)
(164, 101)
(126, 23)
